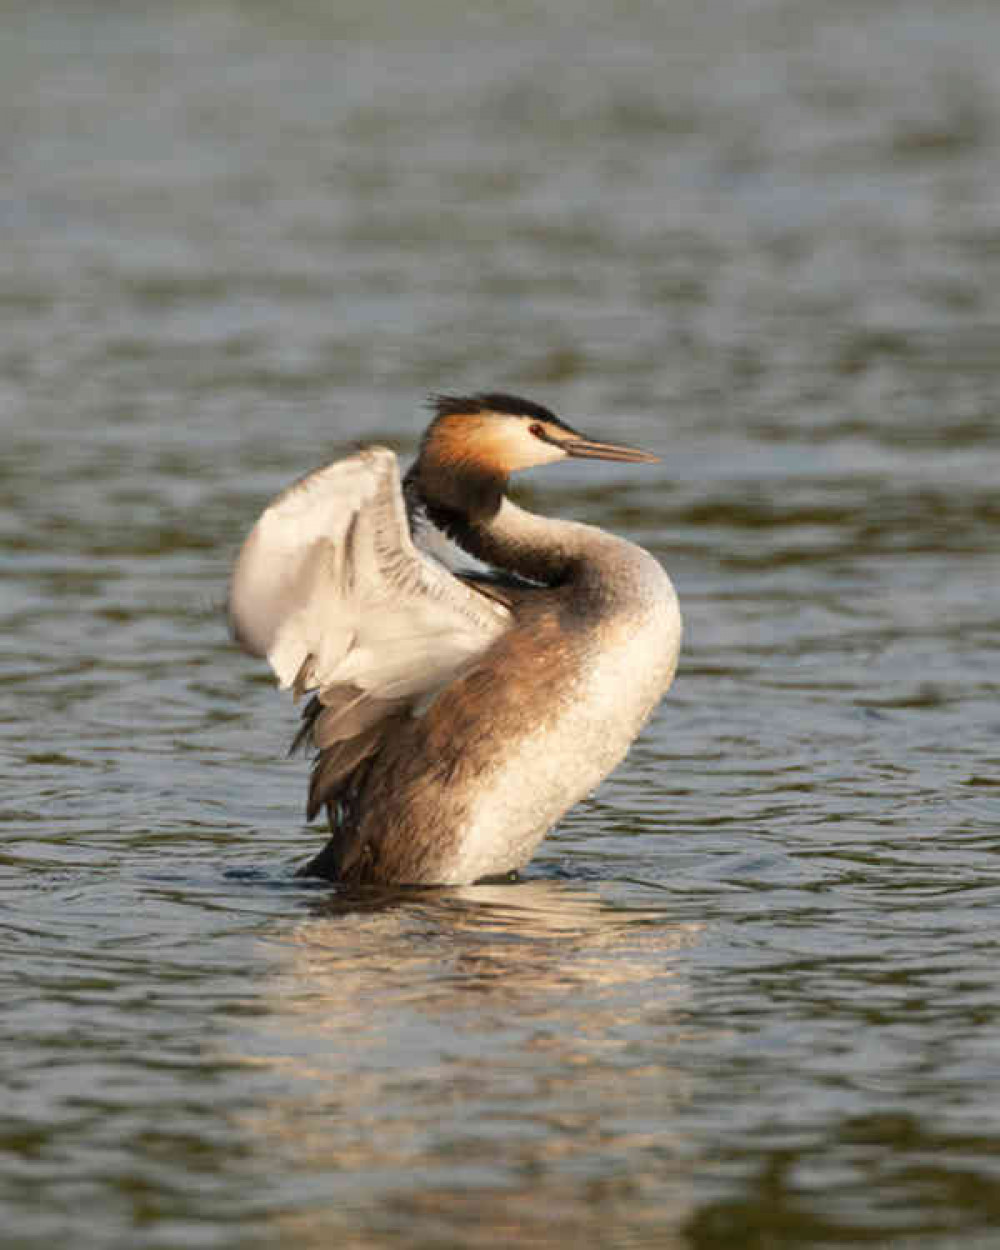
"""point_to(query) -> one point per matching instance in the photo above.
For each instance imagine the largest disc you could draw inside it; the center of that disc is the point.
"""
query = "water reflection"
(485, 1061)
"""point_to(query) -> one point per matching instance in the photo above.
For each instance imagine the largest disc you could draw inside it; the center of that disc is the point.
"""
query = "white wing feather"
(331, 589)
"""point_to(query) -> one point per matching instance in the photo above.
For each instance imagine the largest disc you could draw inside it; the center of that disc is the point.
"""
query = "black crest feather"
(493, 401)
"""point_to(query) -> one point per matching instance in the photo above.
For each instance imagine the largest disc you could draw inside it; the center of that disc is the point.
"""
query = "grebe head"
(497, 434)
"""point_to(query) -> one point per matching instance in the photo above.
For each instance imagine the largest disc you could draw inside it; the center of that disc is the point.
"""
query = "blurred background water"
(747, 995)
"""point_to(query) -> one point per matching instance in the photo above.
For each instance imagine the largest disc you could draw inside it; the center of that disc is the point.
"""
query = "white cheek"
(515, 447)
(527, 451)
(545, 453)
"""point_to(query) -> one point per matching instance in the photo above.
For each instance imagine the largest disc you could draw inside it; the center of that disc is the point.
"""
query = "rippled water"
(747, 994)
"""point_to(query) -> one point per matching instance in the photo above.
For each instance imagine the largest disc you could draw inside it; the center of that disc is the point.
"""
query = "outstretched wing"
(330, 588)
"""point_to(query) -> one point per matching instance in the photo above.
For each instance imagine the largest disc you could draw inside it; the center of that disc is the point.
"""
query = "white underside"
(557, 766)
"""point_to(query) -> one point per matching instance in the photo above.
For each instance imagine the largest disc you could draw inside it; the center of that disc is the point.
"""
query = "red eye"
(537, 430)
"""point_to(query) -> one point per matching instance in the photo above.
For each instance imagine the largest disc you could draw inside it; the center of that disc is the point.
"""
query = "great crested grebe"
(455, 717)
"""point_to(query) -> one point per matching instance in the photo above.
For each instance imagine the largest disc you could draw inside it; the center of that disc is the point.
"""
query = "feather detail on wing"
(330, 588)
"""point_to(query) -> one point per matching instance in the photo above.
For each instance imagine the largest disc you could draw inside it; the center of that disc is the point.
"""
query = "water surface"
(747, 993)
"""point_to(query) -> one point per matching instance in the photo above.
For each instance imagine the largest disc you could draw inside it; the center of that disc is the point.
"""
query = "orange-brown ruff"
(455, 718)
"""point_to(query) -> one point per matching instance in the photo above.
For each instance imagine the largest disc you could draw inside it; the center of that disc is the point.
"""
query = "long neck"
(543, 549)
(473, 510)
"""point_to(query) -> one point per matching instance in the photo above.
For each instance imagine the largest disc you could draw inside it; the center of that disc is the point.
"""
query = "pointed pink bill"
(591, 449)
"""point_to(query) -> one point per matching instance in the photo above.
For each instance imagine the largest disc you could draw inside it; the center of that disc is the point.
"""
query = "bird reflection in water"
(481, 1062)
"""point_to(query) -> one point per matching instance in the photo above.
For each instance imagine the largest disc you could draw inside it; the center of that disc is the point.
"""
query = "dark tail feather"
(334, 766)
(309, 714)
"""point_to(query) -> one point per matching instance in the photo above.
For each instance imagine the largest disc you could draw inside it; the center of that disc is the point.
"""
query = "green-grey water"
(747, 994)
